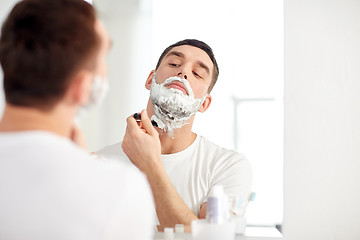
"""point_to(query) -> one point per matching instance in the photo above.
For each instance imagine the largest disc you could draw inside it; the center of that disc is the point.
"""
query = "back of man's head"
(43, 44)
(199, 44)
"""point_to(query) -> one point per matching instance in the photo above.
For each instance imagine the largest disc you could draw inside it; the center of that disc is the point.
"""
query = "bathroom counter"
(252, 233)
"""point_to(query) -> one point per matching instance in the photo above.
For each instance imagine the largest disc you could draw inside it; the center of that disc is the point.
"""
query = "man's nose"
(180, 73)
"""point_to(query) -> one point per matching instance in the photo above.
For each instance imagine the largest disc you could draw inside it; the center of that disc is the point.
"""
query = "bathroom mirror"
(246, 114)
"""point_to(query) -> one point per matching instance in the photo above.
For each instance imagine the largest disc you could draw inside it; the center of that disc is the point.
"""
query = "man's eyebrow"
(180, 54)
(203, 65)
(175, 53)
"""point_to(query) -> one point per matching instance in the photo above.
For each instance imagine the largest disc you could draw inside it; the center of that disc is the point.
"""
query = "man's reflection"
(181, 166)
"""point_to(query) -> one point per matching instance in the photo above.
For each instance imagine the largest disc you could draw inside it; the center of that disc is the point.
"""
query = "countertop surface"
(250, 233)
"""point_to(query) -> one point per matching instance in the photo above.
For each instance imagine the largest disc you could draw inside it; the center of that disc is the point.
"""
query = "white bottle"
(169, 233)
(216, 206)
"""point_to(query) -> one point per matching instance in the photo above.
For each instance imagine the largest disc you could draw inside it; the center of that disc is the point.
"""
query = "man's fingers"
(147, 125)
(132, 124)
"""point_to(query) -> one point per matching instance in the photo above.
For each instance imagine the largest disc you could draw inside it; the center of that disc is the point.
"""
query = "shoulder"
(222, 161)
(114, 158)
(113, 151)
(109, 163)
(218, 152)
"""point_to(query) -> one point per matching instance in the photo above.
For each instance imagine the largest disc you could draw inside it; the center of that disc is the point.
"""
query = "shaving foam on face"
(98, 92)
(171, 106)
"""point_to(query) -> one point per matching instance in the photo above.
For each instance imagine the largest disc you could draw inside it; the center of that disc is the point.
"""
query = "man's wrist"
(157, 175)
(155, 169)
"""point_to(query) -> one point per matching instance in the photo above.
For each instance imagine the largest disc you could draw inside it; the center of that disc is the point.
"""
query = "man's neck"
(181, 139)
(17, 119)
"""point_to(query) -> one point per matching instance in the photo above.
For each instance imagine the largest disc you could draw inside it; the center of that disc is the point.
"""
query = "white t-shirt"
(195, 170)
(51, 189)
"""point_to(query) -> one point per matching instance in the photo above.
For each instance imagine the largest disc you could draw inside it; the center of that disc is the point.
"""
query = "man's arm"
(170, 207)
(142, 146)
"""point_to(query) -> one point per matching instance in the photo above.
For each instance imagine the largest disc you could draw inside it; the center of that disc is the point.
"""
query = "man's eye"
(197, 75)
(174, 64)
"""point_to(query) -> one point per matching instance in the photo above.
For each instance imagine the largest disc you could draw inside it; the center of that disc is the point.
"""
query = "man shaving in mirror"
(181, 166)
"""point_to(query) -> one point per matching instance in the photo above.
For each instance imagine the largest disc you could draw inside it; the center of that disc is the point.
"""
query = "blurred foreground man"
(52, 53)
(181, 166)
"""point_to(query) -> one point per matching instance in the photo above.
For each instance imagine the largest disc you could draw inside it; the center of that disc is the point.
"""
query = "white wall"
(5, 6)
(129, 63)
(322, 119)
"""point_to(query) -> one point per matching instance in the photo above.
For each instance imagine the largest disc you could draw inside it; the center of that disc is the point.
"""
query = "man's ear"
(149, 80)
(206, 103)
(79, 89)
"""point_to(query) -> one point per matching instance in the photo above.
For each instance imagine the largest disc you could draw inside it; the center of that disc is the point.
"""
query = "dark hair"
(199, 44)
(42, 44)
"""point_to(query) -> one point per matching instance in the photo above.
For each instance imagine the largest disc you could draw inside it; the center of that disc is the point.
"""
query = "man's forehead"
(188, 51)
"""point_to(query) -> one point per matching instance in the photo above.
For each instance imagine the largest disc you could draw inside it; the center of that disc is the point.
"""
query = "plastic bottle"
(216, 211)
(169, 233)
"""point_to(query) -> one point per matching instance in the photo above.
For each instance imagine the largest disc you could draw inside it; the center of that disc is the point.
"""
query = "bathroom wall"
(322, 119)
(5, 7)
(129, 63)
